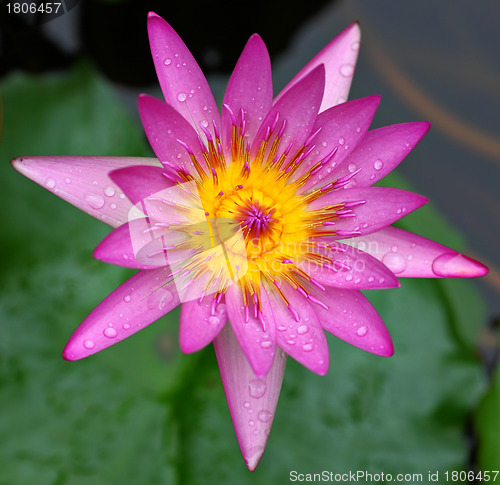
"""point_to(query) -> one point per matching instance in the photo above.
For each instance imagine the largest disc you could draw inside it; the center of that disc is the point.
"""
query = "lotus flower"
(262, 215)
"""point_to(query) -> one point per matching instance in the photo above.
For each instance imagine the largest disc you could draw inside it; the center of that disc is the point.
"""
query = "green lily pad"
(141, 412)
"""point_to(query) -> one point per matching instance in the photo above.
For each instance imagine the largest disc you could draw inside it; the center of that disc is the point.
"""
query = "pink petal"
(409, 255)
(339, 58)
(342, 128)
(84, 182)
(139, 182)
(380, 151)
(251, 399)
(117, 248)
(135, 304)
(382, 206)
(351, 317)
(200, 323)
(182, 82)
(298, 109)
(169, 134)
(351, 268)
(250, 88)
(256, 337)
(299, 334)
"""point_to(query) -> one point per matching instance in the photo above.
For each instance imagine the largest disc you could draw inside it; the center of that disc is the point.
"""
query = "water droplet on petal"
(355, 46)
(265, 416)
(303, 329)
(351, 167)
(181, 97)
(307, 347)
(341, 140)
(265, 344)
(88, 344)
(395, 262)
(213, 320)
(362, 331)
(94, 201)
(110, 332)
(126, 298)
(257, 388)
(68, 181)
(347, 70)
(378, 164)
(167, 61)
(109, 191)
(126, 326)
(281, 328)
(50, 183)
(246, 404)
(251, 423)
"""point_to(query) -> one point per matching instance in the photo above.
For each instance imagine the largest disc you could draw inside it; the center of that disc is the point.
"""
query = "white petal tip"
(253, 456)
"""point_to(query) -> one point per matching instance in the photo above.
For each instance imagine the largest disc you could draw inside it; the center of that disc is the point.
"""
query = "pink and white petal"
(380, 207)
(182, 82)
(349, 268)
(380, 151)
(251, 399)
(135, 304)
(171, 137)
(117, 248)
(139, 182)
(339, 58)
(250, 89)
(342, 129)
(298, 331)
(255, 335)
(84, 182)
(200, 323)
(409, 255)
(293, 116)
(351, 317)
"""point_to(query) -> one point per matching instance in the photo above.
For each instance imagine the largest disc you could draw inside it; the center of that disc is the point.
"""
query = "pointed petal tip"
(456, 265)
(152, 14)
(253, 457)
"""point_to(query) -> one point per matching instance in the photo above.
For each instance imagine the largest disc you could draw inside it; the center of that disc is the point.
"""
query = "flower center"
(257, 219)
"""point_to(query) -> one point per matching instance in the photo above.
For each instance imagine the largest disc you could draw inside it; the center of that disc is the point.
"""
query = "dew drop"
(213, 320)
(167, 61)
(351, 167)
(265, 416)
(348, 277)
(50, 183)
(395, 262)
(307, 347)
(281, 328)
(341, 140)
(109, 191)
(181, 97)
(68, 181)
(246, 404)
(110, 332)
(303, 329)
(355, 46)
(126, 326)
(257, 388)
(88, 344)
(265, 344)
(113, 206)
(362, 331)
(251, 423)
(94, 201)
(347, 70)
(204, 123)
(378, 164)
(126, 298)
